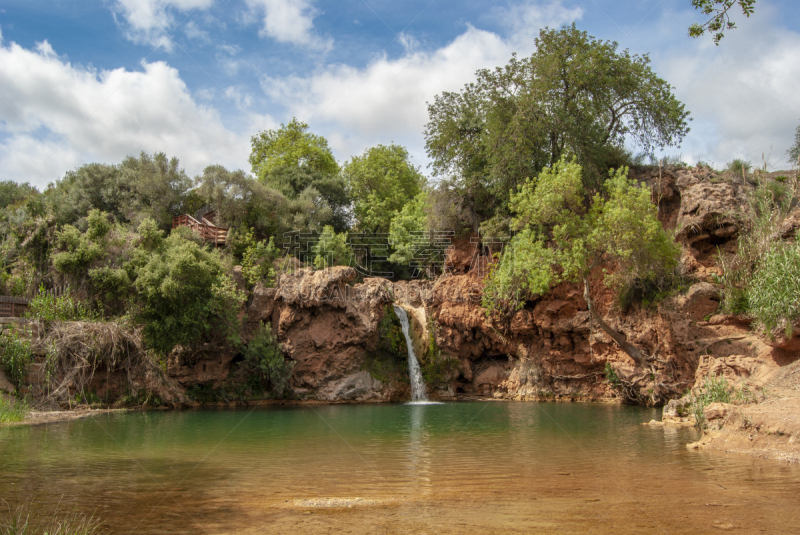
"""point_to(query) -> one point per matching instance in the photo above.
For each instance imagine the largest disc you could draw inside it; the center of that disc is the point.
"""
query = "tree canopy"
(292, 145)
(575, 94)
(380, 182)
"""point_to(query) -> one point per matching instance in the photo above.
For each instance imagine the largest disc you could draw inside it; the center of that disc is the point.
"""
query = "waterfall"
(418, 392)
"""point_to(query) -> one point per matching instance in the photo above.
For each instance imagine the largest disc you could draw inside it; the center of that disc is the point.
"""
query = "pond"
(472, 467)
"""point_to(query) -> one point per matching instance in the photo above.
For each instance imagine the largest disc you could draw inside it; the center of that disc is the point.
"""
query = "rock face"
(327, 327)
(550, 349)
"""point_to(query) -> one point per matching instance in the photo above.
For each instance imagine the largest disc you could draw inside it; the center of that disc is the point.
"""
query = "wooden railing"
(207, 230)
(12, 306)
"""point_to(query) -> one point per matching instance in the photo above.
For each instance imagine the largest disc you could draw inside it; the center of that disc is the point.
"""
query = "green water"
(480, 467)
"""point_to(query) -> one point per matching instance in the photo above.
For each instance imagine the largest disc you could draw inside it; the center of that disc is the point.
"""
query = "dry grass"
(76, 351)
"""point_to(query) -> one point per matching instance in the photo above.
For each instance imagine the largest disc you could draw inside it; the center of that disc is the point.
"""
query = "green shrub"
(713, 390)
(739, 167)
(773, 298)
(15, 358)
(258, 259)
(760, 223)
(47, 308)
(266, 363)
(184, 293)
(12, 411)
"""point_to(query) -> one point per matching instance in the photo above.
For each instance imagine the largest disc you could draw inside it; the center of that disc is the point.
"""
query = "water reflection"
(454, 467)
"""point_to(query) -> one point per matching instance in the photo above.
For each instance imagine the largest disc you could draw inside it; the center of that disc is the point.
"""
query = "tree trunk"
(634, 352)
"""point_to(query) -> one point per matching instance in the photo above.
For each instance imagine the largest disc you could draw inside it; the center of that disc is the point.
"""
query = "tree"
(158, 185)
(411, 220)
(381, 182)
(575, 94)
(241, 201)
(12, 193)
(563, 240)
(720, 16)
(300, 165)
(331, 249)
(292, 145)
(184, 291)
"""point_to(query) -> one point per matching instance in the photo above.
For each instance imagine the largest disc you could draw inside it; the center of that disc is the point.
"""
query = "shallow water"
(482, 467)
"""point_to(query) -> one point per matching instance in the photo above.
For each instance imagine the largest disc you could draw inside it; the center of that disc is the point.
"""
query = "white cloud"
(60, 116)
(386, 101)
(290, 21)
(149, 21)
(742, 94)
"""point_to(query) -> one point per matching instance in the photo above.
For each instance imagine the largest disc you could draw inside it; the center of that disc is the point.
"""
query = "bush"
(773, 298)
(739, 168)
(12, 411)
(184, 292)
(266, 363)
(760, 280)
(15, 358)
(714, 389)
(47, 308)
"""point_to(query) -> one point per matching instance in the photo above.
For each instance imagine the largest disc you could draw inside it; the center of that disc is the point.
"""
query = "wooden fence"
(14, 307)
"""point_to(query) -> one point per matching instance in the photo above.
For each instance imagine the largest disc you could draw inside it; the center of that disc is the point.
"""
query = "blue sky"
(96, 80)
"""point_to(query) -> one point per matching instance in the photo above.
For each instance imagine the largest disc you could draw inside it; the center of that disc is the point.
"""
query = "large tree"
(381, 182)
(575, 94)
(300, 165)
(292, 145)
(562, 238)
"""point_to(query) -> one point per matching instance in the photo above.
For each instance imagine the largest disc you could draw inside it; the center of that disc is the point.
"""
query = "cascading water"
(418, 391)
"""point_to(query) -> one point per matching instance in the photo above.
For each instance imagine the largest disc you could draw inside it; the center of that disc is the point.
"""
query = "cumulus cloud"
(290, 21)
(150, 21)
(386, 101)
(742, 94)
(55, 116)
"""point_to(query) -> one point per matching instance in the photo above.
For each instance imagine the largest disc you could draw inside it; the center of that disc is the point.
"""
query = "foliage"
(720, 17)
(185, 292)
(381, 182)
(47, 307)
(406, 227)
(292, 145)
(331, 249)
(78, 250)
(713, 389)
(773, 296)
(562, 240)
(14, 193)
(389, 362)
(258, 261)
(611, 376)
(241, 201)
(15, 357)
(575, 94)
(266, 362)
(159, 188)
(147, 186)
(437, 369)
(739, 168)
(12, 410)
(762, 260)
